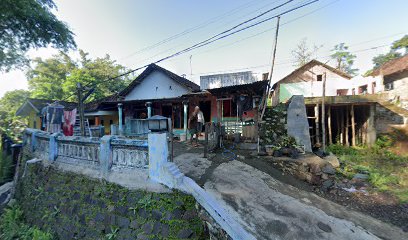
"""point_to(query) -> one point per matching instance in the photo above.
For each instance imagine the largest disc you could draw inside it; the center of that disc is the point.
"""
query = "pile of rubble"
(312, 169)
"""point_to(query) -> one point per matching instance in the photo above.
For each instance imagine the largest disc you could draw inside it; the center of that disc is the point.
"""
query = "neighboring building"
(394, 77)
(156, 91)
(308, 81)
(103, 112)
(227, 79)
(32, 108)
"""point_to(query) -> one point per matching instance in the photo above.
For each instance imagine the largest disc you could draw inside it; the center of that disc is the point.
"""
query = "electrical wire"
(210, 40)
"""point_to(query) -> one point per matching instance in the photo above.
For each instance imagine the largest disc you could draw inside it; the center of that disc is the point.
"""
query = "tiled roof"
(94, 105)
(313, 63)
(393, 66)
(41, 103)
(153, 67)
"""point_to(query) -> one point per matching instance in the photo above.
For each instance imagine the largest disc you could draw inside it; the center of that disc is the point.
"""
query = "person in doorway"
(200, 120)
(192, 127)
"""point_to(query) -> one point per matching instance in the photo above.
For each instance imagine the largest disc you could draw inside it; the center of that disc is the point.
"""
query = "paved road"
(270, 209)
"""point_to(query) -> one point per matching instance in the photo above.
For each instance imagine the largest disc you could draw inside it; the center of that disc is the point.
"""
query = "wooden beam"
(338, 132)
(347, 126)
(353, 126)
(324, 115)
(317, 123)
(329, 124)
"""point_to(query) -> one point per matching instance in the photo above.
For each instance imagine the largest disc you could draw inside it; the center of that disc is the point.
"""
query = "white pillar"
(149, 109)
(158, 154)
(185, 104)
(120, 107)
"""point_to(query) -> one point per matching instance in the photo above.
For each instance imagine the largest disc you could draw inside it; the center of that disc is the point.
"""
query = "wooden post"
(338, 132)
(324, 114)
(206, 140)
(342, 126)
(317, 123)
(80, 109)
(353, 126)
(269, 88)
(329, 124)
(347, 126)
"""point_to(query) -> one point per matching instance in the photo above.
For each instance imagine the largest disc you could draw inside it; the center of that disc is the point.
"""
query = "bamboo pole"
(353, 126)
(329, 124)
(324, 114)
(342, 126)
(317, 123)
(347, 126)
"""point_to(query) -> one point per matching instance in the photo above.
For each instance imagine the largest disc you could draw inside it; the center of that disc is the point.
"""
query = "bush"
(6, 168)
(12, 226)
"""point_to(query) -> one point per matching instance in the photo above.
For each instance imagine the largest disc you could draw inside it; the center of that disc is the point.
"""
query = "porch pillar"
(185, 117)
(97, 121)
(371, 131)
(149, 109)
(120, 108)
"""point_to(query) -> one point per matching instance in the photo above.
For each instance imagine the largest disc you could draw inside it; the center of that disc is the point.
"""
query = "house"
(308, 81)
(102, 112)
(32, 108)
(394, 78)
(156, 91)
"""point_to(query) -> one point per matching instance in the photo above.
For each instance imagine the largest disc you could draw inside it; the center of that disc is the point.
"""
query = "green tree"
(303, 53)
(57, 77)
(26, 24)
(11, 124)
(401, 44)
(344, 59)
(383, 58)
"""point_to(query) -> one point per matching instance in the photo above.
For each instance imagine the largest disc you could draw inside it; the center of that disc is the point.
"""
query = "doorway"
(205, 107)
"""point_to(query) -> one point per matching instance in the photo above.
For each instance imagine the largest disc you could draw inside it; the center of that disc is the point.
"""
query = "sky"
(123, 28)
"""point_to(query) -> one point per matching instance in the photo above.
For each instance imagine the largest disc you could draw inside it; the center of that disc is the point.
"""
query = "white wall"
(156, 86)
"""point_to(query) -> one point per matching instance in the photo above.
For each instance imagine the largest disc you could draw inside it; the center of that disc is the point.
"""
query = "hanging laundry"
(55, 117)
(69, 122)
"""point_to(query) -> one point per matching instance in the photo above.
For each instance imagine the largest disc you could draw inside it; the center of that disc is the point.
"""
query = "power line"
(214, 38)
(189, 30)
(270, 29)
(284, 63)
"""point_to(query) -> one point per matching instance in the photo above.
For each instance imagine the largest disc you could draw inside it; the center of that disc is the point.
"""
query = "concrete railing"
(110, 153)
(106, 154)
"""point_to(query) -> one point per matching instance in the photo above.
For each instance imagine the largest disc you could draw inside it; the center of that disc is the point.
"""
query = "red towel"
(69, 121)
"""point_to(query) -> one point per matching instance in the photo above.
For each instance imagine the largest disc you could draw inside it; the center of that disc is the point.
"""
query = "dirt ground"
(375, 204)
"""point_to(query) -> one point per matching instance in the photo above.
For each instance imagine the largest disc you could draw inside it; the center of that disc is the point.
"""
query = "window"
(389, 86)
(229, 109)
(102, 123)
(319, 77)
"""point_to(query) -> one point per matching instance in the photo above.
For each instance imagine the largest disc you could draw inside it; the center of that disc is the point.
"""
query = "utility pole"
(81, 109)
(269, 88)
(324, 114)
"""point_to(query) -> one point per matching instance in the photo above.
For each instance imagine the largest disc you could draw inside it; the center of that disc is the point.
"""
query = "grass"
(387, 171)
(6, 168)
(12, 226)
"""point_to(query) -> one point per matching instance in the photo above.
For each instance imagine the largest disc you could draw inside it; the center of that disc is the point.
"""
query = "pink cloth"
(69, 122)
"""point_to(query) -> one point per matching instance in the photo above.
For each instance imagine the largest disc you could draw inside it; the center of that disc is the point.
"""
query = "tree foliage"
(401, 44)
(11, 124)
(393, 53)
(303, 53)
(344, 59)
(26, 24)
(57, 77)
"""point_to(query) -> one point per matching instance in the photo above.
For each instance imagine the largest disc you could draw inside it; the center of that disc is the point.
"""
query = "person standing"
(192, 127)
(200, 121)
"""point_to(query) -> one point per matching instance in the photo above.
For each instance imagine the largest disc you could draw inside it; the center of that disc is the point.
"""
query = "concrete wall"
(156, 86)
(400, 88)
(385, 119)
(72, 206)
